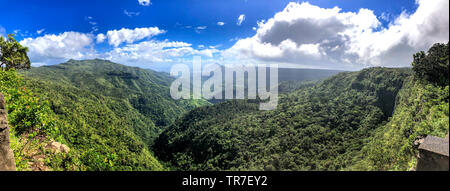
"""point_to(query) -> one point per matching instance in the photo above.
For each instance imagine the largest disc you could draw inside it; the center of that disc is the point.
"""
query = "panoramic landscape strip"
(224, 94)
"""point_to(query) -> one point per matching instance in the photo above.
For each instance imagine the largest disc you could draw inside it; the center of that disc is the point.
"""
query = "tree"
(434, 65)
(13, 54)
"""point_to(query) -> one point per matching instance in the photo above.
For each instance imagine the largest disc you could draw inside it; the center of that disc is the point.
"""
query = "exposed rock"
(38, 163)
(7, 162)
(57, 147)
(433, 154)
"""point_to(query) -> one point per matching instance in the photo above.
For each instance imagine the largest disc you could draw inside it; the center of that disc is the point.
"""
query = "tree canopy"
(13, 54)
(433, 66)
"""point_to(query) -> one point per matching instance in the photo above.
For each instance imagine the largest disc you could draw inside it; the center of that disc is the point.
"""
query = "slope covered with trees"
(115, 117)
(108, 114)
(366, 120)
(315, 128)
(422, 109)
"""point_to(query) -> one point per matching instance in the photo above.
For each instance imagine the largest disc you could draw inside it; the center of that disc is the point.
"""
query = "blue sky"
(193, 22)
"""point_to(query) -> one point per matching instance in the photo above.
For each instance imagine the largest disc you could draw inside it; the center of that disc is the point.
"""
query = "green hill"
(108, 112)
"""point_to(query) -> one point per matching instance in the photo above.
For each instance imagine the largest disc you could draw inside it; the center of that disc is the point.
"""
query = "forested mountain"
(364, 120)
(107, 112)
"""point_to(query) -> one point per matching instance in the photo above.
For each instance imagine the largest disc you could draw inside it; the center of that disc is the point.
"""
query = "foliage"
(30, 118)
(113, 117)
(108, 113)
(26, 112)
(314, 128)
(433, 66)
(366, 120)
(422, 109)
(13, 54)
(291, 85)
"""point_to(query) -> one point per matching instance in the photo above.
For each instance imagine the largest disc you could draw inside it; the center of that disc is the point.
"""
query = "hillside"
(364, 120)
(422, 109)
(314, 128)
(108, 113)
(114, 117)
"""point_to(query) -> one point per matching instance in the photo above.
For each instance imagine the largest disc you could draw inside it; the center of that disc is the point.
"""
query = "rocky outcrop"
(433, 154)
(57, 147)
(7, 162)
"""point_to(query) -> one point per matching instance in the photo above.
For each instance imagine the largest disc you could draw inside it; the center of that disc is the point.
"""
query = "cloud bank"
(304, 35)
(301, 35)
(54, 49)
(51, 48)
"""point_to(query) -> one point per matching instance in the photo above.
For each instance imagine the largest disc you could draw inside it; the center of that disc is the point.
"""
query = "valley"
(116, 117)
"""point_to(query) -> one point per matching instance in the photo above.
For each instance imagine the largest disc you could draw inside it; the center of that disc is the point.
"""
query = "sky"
(156, 34)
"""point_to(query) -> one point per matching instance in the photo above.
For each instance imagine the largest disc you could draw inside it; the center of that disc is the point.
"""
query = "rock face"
(57, 147)
(7, 162)
(433, 154)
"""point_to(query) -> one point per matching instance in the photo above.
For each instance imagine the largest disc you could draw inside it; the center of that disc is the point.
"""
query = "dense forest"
(364, 120)
(314, 128)
(115, 117)
(108, 114)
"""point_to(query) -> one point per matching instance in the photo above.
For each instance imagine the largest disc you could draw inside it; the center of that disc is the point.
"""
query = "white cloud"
(310, 36)
(241, 19)
(101, 38)
(117, 37)
(385, 16)
(40, 31)
(130, 13)
(52, 48)
(215, 47)
(94, 27)
(200, 28)
(144, 2)
(220, 23)
(152, 51)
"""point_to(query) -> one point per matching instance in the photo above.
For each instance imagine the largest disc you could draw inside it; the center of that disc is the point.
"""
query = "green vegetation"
(13, 54)
(364, 120)
(114, 117)
(30, 119)
(433, 66)
(107, 112)
(422, 109)
(314, 128)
